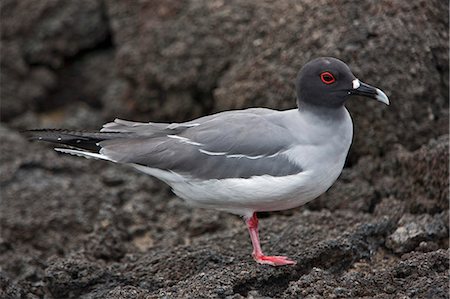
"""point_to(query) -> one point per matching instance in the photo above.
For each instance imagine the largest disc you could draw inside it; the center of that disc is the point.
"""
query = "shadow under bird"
(241, 161)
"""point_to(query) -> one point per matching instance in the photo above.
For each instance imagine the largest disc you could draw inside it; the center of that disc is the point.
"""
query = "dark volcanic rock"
(77, 228)
(38, 37)
(48, 31)
(9, 289)
(410, 278)
(413, 230)
(221, 266)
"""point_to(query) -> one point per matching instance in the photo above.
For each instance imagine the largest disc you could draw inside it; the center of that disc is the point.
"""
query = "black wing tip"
(57, 131)
(39, 134)
(60, 136)
(33, 134)
(84, 140)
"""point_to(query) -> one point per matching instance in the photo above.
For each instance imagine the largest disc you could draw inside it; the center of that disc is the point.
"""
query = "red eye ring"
(327, 78)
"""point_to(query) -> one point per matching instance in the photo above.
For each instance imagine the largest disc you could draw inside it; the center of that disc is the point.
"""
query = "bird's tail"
(90, 144)
(79, 143)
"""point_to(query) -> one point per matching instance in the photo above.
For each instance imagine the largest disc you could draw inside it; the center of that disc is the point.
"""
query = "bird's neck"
(322, 112)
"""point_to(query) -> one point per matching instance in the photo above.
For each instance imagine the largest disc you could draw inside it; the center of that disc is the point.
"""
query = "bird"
(240, 161)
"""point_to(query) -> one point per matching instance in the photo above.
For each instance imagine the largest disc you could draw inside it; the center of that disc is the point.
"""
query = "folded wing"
(228, 145)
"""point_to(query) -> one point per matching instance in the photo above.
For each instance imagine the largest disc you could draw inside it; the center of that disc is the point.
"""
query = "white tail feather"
(87, 155)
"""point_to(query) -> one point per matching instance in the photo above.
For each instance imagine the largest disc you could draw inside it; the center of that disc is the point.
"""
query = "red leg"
(252, 225)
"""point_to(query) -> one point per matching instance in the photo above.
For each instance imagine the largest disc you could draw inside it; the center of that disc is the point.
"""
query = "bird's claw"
(275, 260)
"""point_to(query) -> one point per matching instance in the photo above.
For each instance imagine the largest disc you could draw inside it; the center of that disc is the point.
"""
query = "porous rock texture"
(77, 228)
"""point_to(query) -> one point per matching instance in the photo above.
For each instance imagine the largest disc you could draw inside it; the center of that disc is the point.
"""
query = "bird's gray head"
(329, 82)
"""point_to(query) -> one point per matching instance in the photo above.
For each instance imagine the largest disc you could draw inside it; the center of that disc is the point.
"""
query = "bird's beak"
(363, 89)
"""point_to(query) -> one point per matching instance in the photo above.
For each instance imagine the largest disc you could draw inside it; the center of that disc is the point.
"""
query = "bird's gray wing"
(160, 129)
(230, 145)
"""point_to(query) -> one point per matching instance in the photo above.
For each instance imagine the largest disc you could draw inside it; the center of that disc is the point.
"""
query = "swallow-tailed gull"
(241, 161)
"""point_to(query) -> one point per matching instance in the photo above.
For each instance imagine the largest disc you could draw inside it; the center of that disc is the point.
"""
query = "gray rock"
(38, 38)
(408, 277)
(414, 229)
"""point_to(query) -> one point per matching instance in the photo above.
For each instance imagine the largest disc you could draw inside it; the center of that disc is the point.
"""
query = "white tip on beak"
(365, 90)
(382, 97)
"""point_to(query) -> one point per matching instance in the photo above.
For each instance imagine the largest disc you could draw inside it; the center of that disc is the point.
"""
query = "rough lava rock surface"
(77, 228)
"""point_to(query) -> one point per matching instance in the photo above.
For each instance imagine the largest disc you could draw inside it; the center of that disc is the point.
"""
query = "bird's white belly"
(260, 193)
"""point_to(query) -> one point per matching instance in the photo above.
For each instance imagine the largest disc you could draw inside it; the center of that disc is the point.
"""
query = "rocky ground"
(77, 228)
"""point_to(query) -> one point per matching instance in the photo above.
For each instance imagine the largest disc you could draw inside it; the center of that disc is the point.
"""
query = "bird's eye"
(327, 77)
